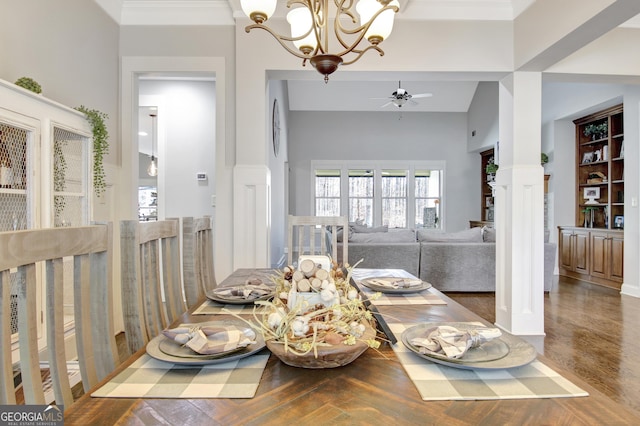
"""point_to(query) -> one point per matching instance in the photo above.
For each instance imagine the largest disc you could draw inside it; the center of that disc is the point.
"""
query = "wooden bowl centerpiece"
(316, 318)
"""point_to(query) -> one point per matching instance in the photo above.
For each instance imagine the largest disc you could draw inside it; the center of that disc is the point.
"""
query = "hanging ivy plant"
(100, 145)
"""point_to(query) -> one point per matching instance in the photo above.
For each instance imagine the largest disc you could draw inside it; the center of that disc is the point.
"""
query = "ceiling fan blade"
(412, 102)
(422, 95)
(387, 104)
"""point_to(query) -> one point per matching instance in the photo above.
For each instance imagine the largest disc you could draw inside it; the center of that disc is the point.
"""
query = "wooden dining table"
(373, 389)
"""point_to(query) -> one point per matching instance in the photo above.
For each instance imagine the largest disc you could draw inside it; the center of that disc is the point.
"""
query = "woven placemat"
(148, 377)
(436, 382)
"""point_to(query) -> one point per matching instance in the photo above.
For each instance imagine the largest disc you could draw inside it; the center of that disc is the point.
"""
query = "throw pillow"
(473, 235)
(489, 234)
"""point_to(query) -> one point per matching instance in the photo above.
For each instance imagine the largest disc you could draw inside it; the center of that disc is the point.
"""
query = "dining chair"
(317, 235)
(151, 279)
(197, 258)
(34, 261)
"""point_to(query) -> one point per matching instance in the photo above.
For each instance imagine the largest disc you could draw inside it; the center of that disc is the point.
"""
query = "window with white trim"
(396, 194)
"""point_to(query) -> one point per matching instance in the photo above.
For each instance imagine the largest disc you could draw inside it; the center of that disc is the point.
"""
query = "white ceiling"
(351, 91)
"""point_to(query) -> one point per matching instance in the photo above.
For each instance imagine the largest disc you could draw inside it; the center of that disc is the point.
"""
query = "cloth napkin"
(451, 342)
(209, 340)
(252, 289)
(394, 282)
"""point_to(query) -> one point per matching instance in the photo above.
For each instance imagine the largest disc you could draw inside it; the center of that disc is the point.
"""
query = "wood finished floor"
(591, 331)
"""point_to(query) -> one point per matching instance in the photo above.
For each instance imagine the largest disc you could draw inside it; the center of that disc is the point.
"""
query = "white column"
(251, 221)
(519, 215)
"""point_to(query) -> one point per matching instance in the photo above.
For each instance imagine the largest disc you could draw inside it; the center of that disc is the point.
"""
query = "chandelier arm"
(364, 27)
(362, 52)
(360, 30)
(281, 39)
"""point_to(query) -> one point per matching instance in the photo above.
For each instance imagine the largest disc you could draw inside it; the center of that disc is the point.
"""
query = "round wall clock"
(275, 128)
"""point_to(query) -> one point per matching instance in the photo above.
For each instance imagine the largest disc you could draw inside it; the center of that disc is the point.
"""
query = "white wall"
(186, 145)
(483, 117)
(384, 136)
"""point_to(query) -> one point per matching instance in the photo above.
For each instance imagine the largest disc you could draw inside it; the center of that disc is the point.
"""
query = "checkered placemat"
(424, 297)
(148, 377)
(209, 307)
(436, 382)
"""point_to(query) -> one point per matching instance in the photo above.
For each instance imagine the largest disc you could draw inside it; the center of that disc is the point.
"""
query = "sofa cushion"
(395, 236)
(473, 235)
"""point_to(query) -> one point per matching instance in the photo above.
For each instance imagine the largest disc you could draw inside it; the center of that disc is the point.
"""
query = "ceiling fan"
(401, 97)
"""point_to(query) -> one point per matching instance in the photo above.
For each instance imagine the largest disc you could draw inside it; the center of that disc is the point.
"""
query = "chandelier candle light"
(310, 28)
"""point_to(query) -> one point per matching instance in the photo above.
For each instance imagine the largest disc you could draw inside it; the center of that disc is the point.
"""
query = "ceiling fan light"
(382, 26)
(258, 10)
(301, 21)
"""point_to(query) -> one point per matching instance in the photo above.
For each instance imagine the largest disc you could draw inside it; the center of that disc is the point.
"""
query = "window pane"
(394, 212)
(361, 196)
(327, 207)
(394, 198)
(427, 213)
(427, 198)
(327, 192)
(394, 183)
(361, 210)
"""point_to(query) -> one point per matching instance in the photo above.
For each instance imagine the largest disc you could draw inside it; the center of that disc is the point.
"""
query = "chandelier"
(310, 28)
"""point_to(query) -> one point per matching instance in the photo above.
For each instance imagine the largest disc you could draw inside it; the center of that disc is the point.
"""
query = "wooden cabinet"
(607, 253)
(486, 192)
(594, 255)
(573, 248)
(600, 168)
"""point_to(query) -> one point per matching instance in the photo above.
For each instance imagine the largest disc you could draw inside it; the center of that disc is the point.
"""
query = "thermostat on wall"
(201, 176)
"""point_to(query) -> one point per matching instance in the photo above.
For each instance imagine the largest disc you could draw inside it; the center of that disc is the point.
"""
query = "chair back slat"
(309, 235)
(151, 279)
(197, 246)
(28, 257)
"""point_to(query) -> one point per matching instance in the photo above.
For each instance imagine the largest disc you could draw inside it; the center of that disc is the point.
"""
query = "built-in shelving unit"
(600, 169)
(486, 192)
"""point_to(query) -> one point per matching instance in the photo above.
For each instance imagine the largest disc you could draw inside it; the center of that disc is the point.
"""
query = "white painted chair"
(34, 257)
(317, 235)
(197, 254)
(151, 279)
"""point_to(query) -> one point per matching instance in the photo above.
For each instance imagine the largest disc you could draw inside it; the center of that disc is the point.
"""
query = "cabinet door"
(581, 252)
(616, 257)
(599, 254)
(564, 249)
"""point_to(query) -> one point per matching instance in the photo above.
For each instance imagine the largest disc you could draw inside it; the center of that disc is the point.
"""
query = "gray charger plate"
(235, 301)
(520, 352)
(157, 344)
(369, 282)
